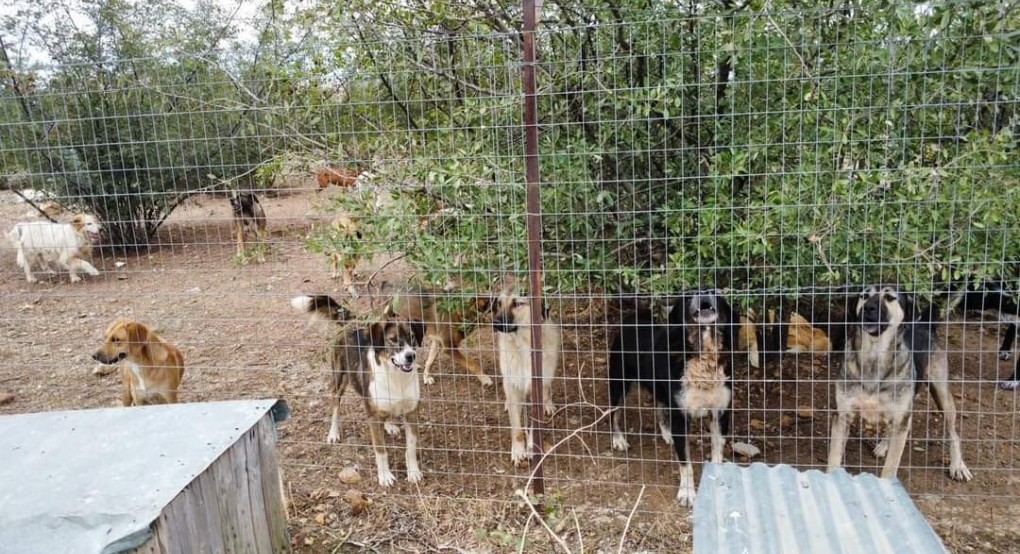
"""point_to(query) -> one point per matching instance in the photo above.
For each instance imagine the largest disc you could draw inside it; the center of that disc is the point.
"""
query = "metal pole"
(534, 223)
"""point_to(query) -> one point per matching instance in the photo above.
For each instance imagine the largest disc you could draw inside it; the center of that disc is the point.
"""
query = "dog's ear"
(137, 333)
(909, 306)
(485, 303)
(377, 333)
(79, 222)
(418, 331)
(138, 336)
(678, 313)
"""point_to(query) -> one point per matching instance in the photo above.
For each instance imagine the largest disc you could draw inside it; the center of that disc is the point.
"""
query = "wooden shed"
(187, 478)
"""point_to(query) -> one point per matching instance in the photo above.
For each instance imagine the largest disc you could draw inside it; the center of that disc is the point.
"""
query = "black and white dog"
(680, 363)
(992, 298)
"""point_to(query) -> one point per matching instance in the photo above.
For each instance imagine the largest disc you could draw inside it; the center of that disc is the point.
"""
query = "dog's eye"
(115, 340)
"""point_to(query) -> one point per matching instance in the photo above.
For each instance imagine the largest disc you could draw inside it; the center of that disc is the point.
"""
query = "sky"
(244, 9)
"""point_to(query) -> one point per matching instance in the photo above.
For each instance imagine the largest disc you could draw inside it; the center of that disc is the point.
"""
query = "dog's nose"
(409, 357)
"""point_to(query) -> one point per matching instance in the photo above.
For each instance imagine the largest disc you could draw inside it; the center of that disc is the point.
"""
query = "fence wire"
(787, 157)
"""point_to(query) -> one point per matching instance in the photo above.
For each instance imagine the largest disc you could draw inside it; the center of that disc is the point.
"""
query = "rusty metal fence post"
(534, 225)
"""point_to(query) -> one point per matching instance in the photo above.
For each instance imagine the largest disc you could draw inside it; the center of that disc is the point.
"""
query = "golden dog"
(154, 368)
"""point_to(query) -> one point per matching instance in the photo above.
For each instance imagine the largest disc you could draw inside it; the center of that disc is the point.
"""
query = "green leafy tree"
(762, 146)
(144, 104)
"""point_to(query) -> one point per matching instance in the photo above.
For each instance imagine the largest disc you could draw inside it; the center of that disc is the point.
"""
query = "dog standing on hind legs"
(512, 323)
(248, 219)
(889, 354)
(380, 363)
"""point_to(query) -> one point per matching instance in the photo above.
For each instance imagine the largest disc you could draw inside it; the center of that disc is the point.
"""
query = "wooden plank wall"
(235, 506)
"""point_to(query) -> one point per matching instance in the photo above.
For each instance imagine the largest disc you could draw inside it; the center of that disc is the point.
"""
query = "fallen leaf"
(806, 412)
(786, 420)
(6, 398)
(320, 519)
(358, 501)
(757, 425)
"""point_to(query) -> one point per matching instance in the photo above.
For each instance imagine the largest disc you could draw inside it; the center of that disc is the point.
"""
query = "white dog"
(41, 243)
(512, 324)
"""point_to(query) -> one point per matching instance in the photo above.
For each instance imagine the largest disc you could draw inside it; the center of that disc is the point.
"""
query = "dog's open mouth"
(705, 317)
(504, 328)
(108, 360)
(93, 237)
(406, 368)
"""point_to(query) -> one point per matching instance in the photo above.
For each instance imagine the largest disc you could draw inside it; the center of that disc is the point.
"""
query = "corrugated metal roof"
(93, 480)
(779, 510)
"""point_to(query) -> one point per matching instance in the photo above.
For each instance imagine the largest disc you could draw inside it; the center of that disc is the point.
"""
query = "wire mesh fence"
(784, 156)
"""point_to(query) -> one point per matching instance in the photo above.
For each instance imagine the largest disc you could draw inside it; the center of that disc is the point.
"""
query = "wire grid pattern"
(787, 158)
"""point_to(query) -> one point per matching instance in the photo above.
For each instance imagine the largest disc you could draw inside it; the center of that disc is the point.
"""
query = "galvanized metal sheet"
(94, 480)
(779, 510)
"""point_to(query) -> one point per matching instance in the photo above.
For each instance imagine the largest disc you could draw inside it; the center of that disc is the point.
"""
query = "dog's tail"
(321, 305)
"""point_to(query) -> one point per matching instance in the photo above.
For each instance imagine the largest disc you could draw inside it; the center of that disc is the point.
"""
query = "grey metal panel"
(94, 480)
(778, 510)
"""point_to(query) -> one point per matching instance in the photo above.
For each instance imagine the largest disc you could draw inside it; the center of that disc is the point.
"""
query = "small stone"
(349, 476)
(745, 449)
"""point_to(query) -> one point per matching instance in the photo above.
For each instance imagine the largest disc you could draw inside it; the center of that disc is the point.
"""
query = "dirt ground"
(241, 339)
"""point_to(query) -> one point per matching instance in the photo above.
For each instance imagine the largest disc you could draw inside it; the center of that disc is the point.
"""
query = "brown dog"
(380, 363)
(445, 329)
(337, 175)
(154, 367)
